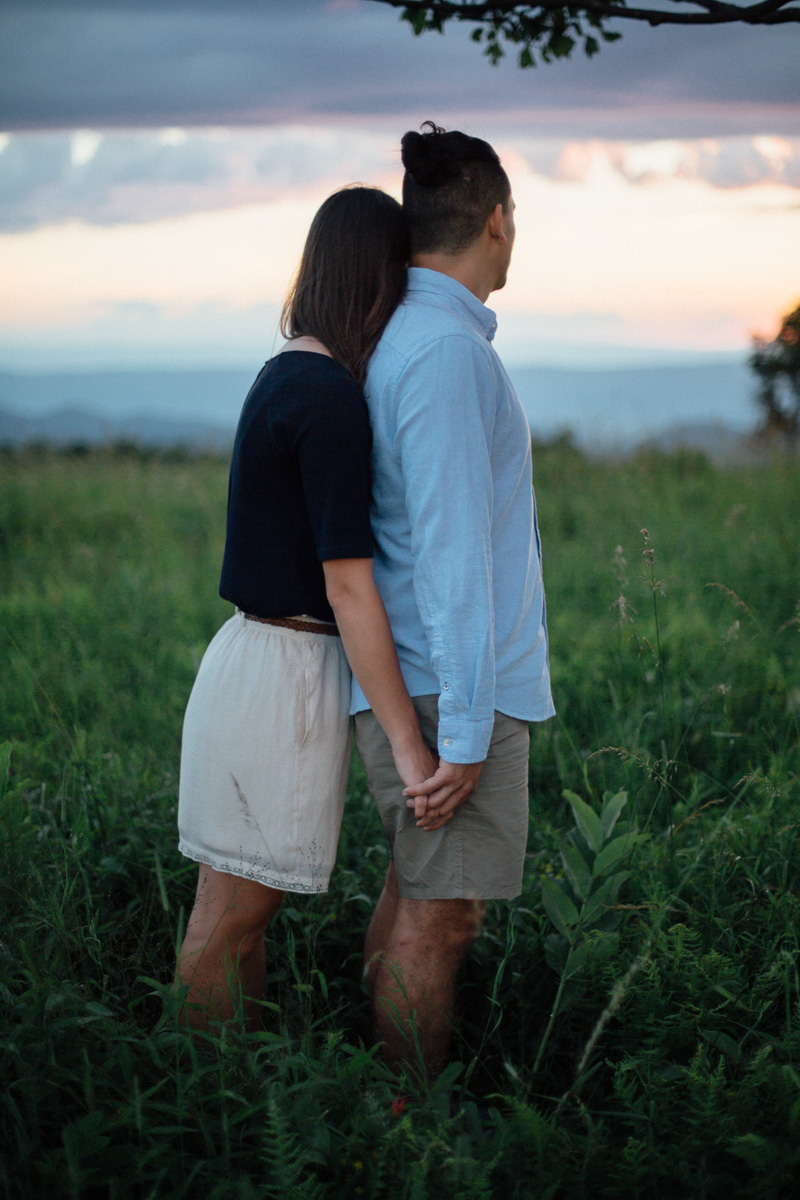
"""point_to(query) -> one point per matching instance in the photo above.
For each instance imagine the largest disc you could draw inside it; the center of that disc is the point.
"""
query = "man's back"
(458, 559)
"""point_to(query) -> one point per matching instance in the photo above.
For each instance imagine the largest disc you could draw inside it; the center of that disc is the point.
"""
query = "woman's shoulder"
(298, 391)
(306, 377)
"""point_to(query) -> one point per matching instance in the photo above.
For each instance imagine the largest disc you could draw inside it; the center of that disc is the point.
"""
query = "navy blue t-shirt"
(299, 486)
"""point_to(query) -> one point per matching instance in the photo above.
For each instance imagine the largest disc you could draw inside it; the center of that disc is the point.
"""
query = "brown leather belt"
(293, 623)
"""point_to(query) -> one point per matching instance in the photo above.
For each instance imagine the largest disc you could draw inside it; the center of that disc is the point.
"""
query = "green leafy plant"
(580, 900)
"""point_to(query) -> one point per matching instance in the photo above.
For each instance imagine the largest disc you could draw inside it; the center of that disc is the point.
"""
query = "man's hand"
(436, 799)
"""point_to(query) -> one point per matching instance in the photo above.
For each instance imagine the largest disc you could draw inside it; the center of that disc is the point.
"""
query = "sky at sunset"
(161, 163)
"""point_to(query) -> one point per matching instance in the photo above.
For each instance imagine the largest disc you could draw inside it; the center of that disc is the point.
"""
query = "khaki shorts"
(479, 854)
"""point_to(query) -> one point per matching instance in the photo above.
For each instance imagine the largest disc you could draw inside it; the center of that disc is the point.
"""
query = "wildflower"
(649, 555)
(625, 610)
(398, 1104)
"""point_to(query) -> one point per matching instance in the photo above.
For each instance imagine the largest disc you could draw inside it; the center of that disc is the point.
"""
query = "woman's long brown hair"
(351, 277)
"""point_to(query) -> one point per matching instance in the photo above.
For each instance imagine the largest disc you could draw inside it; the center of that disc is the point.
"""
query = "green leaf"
(97, 1009)
(612, 807)
(586, 819)
(605, 894)
(724, 1043)
(576, 961)
(556, 951)
(417, 20)
(558, 906)
(323, 983)
(562, 45)
(758, 1152)
(359, 1060)
(448, 1077)
(83, 1138)
(601, 945)
(577, 871)
(613, 852)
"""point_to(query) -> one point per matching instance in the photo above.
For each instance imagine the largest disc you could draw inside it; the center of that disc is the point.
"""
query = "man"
(458, 564)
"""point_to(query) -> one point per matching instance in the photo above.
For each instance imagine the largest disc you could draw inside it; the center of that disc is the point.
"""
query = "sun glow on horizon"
(668, 244)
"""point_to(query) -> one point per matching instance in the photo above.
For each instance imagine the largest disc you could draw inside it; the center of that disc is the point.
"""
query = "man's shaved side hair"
(451, 185)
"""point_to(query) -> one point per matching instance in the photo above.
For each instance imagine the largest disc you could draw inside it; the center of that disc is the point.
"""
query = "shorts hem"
(278, 882)
(413, 893)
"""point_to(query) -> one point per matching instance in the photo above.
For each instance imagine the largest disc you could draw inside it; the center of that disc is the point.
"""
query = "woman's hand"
(416, 765)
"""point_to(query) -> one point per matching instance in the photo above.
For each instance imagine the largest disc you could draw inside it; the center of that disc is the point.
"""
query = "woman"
(266, 734)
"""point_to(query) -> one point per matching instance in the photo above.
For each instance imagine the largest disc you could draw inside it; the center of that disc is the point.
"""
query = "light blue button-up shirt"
(457, 551)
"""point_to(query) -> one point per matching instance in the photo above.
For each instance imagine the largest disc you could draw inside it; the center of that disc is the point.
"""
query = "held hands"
(436, 799)
(415, 762)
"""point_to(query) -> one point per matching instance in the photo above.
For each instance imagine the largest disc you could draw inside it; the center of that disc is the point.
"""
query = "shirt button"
(448, 741)
(445, 687)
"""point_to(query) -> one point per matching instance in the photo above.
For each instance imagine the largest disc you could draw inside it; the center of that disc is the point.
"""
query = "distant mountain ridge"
(606, 410)
(69, 427)
(209, 397)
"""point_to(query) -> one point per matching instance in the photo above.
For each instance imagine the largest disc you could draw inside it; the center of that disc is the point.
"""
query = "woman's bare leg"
(222, 956)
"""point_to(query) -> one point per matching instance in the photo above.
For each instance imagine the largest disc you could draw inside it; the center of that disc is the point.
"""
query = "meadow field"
(630, 1027)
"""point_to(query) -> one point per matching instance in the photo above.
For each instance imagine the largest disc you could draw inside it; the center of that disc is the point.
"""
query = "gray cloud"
(141, 176)
(205, 62)
(721, 162)
(122, 176)
(740, 163)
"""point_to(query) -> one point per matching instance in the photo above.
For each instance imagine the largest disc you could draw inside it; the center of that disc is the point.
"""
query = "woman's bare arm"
(370, 649)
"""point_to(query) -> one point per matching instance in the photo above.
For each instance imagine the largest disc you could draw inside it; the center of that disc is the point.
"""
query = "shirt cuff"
(465, 741)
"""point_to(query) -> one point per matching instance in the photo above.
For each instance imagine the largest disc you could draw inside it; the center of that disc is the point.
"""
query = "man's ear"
(494, 224)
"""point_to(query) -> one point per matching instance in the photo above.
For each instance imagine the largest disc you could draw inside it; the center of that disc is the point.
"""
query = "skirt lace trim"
(238, 869)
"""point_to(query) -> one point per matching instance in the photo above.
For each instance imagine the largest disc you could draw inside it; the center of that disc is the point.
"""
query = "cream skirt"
(266, 748)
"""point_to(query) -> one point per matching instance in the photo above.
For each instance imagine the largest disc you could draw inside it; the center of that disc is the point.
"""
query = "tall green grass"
(649, 1046)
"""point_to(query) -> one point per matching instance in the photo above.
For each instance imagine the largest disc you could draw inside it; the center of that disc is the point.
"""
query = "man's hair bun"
(436, 156)
(428, 157)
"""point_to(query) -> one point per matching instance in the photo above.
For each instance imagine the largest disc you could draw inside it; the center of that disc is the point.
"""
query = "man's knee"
(447, 927)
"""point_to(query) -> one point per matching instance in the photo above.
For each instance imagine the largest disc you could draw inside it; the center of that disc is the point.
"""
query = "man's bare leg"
(222, 954)
(417, 974)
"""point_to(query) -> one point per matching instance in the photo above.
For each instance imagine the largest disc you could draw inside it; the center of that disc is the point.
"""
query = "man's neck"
(466, 269)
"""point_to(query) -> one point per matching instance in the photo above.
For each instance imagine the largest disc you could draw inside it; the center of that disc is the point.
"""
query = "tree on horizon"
(776, 362)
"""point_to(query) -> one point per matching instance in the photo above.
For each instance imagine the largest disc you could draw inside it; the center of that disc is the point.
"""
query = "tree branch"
(714, 12)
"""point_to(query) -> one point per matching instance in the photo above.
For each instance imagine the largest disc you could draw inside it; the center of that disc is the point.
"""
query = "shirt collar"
(422, 281)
